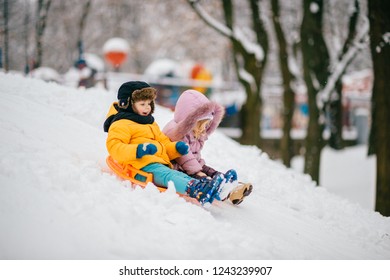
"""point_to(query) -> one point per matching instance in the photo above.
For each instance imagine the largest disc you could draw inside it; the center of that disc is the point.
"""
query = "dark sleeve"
(209, 170)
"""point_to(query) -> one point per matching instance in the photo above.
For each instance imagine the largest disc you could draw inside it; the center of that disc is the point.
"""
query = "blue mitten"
(146, 149)
(182, 147)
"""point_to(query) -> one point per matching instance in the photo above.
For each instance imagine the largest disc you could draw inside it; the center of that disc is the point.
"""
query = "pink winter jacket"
(191, 107)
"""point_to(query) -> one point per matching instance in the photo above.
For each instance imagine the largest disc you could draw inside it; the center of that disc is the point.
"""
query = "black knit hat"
(134, 91)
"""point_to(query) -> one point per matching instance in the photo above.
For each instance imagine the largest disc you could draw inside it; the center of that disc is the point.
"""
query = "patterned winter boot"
(204, 190)
(240, 192)
(228, 184)
(231, 175)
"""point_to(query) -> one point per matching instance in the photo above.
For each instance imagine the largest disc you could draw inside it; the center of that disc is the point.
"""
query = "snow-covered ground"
(349, 173)
(58, 200)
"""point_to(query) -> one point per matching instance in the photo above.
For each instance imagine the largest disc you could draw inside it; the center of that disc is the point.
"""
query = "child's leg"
(163, 174)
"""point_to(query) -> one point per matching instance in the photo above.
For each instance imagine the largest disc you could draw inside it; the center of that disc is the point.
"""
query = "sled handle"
(129, 172)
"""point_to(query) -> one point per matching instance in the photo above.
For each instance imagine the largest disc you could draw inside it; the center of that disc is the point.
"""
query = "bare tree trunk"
(42, 12)
(286, 143)
(315, 62)
(335, 107)
(335, 110)
(26, 36)
(251, 111)
(380, 130)
(83, 19)
(6, 32)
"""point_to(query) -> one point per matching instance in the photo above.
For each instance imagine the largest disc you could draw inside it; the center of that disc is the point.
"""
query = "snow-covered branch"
(221, 28)
(248, 78)
(324, 95)
(249, 47)
(236, 34)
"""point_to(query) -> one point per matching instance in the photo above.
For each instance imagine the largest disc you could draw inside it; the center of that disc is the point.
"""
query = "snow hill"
(58, 200)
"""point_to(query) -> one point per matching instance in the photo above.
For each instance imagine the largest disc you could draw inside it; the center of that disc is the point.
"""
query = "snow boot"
(204, 190)
(230, 176)
(240, 192)
(228, 184)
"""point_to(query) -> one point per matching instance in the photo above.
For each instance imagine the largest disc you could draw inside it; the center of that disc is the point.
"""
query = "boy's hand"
(182, 147)
(146, 149)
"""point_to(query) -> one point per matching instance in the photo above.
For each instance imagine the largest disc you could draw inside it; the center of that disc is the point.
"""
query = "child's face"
(143, 107)
(200, 128)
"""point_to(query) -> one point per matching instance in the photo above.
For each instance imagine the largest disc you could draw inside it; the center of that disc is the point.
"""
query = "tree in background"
(315, 73)
(249, 59)
(284, 56)
(5, 34)
(41, 21)
(320, 77)
(83, 19)
(379, 11)
(334, 106)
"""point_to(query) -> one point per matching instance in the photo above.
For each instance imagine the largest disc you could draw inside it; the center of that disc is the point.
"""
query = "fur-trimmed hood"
(192, 106)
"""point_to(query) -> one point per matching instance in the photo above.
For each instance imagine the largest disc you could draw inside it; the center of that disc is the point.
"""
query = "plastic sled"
(130, 173)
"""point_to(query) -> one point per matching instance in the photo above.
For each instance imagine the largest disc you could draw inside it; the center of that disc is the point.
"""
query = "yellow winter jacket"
(125, 135)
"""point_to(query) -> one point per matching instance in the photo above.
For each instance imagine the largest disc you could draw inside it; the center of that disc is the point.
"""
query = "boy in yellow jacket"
(135, 138)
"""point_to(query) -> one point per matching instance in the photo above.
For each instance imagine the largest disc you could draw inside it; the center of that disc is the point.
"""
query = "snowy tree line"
(154, 29)
(309, 42)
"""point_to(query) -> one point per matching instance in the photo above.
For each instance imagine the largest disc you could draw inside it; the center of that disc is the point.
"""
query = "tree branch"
(209, 20)
(235, 34)
(357, 44)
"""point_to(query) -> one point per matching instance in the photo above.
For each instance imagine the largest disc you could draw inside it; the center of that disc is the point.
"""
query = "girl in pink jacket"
(195, 118)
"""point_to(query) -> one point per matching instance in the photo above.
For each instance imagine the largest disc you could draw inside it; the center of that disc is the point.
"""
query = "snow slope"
(58, 200)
